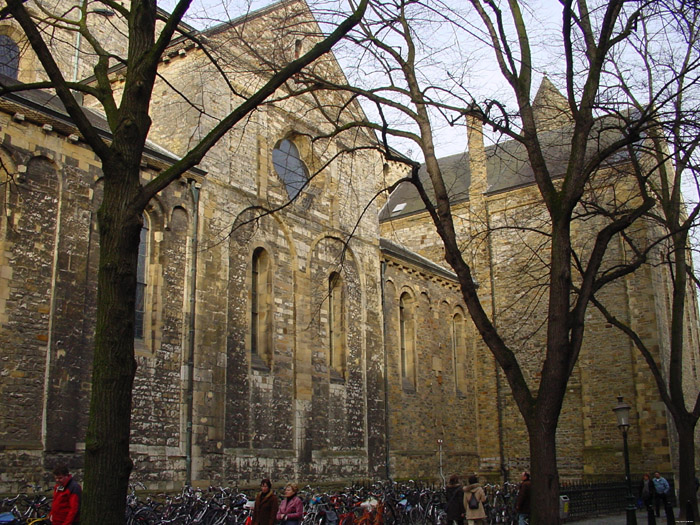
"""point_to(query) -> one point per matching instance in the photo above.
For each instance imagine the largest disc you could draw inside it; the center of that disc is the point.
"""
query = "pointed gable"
(550, 107)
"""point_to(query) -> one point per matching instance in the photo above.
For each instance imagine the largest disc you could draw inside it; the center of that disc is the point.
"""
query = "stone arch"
(250, 385)
(406, 330)
(25, 57)
(336, 421)
(459, 341)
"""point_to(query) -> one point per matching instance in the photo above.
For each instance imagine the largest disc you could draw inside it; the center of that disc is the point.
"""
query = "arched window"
(260, 315)
(459, 352)
(289, 167)
(141, 283)
(407, 341)
(336, 326)
(9, 57)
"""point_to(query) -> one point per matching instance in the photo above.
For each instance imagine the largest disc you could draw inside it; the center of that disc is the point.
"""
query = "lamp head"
(622, 411)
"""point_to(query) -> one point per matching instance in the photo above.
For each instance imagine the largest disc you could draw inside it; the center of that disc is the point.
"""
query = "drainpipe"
(189, 363)
(387, 448)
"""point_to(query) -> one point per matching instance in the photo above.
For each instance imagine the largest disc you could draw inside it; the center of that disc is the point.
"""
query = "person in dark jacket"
(455, 501)
(522, 504)
(65, 507)
(266, 505)
(647, 492)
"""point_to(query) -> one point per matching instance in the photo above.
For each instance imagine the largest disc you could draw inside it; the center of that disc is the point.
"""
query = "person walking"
(522, 504)
(65, 507)
(266, 505)
(454, 509)
(646, 494)
(474, 499)
(291, 510)
(661, 489)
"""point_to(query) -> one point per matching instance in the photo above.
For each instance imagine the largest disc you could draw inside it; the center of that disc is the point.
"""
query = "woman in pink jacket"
(291, 509)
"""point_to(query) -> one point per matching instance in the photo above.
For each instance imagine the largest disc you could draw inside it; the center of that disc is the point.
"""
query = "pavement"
(621, 519)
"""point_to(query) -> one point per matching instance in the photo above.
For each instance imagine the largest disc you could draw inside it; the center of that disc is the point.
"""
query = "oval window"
(9, 57)
(289, 167)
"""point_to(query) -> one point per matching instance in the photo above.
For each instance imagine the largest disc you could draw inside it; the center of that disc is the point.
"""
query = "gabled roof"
(507, 164)
(507, 168)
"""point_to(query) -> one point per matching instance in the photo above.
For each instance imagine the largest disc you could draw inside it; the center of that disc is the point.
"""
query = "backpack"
(473, 502)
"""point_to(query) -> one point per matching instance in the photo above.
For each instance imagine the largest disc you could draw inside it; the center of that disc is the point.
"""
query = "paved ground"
(621, 519)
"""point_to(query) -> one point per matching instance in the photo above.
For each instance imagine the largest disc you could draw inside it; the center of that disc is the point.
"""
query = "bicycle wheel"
(415, 517)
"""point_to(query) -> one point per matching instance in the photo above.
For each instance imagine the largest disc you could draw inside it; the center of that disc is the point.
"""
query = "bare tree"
(666, 80)
(574, 171)
(147, 35)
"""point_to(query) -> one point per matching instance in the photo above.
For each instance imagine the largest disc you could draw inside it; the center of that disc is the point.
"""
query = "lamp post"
(439, 442)
(622, 411)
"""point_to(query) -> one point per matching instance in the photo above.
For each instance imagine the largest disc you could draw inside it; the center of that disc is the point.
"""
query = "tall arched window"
(9, 57)
(141, 283)
(289, 167)
(336, 326)
(260, 316)
(407, 341)
(459, 352)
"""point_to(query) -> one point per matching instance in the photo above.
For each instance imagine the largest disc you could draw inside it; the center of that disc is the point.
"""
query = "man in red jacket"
(65, 509)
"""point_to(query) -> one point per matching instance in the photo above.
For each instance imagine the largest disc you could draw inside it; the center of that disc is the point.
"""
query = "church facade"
(326, 341)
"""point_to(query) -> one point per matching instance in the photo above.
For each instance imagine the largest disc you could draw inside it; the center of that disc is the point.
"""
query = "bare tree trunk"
(687, 493)
(544, 474)
(114, 366)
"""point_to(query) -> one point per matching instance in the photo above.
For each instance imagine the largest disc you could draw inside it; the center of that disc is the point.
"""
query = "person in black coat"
(455, 501)
(646, 494)
(522, 504)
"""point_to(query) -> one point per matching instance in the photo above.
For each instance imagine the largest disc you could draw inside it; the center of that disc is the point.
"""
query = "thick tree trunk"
(107, 461)
(687, 494)
(544, 474)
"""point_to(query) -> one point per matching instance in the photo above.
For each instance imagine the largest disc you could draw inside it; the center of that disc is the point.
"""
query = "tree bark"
(114, 366)
(687, 493)
(544, 473)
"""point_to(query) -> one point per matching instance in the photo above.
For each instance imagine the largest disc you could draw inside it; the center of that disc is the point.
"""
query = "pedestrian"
(291, 509)
(522, 504)
(661, 489)
(646, 494)
(454, 509)
(266, 505)
(65, 508)
(474, 499)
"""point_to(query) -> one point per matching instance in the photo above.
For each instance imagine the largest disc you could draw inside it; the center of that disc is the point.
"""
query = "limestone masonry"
(327, 341)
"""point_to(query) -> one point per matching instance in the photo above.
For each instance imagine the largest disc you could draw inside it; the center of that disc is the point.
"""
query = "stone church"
(325, 341)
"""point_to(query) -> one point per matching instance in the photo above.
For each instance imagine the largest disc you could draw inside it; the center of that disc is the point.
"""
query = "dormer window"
(289, 167)
(398, 208)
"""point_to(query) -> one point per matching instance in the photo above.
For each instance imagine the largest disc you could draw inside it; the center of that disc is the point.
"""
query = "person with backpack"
(474, 499)
(454, 509)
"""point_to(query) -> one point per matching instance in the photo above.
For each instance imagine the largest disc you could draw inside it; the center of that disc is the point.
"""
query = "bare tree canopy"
(597, 153)
(119, 48)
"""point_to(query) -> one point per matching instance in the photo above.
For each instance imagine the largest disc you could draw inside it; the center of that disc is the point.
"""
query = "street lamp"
(439, 442)
(622, 411)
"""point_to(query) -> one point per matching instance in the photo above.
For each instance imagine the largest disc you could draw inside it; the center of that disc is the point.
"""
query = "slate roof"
(507, 168)
(392, 249)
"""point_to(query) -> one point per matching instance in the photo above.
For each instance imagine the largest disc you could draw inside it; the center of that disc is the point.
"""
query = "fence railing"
(595, 499)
